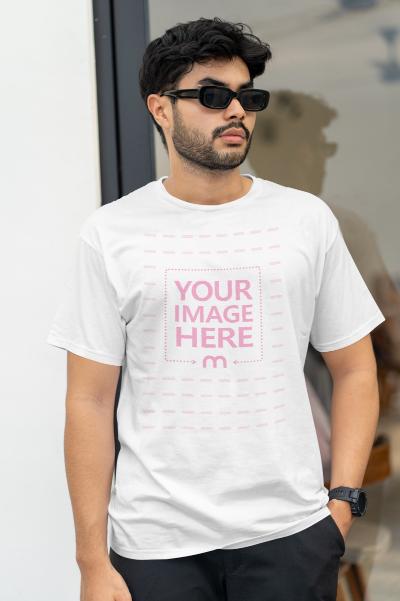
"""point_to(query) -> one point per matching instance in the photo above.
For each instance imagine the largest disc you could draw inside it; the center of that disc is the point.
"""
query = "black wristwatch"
(357, 497)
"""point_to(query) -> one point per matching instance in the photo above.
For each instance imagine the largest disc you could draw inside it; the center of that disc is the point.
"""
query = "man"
(205, 287)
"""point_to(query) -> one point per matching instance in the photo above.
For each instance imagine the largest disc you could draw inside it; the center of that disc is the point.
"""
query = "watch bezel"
(361, 503)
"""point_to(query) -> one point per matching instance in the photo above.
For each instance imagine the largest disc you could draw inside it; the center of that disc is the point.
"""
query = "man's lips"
(233, 137)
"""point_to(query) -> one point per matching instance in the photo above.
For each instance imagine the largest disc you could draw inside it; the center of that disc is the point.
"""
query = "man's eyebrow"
(217, 82)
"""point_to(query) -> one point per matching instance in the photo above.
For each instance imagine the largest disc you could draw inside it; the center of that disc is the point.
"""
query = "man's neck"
(201, 190)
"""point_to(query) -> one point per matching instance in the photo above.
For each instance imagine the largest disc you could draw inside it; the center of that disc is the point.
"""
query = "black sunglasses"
(219, 97)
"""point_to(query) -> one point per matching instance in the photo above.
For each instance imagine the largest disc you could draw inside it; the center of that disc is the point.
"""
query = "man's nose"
(235, 107)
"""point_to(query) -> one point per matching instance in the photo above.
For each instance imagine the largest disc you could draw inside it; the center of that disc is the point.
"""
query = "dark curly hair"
(168, 58)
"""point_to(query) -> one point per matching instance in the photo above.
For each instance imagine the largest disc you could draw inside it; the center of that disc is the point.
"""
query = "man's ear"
(160, 109)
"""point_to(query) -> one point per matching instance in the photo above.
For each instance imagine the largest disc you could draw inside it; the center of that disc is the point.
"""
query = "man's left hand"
(341, 513)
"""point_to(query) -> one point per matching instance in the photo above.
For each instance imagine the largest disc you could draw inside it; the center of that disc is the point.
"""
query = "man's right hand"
(103, 582)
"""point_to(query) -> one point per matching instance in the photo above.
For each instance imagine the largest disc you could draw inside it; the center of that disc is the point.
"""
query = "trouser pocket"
(336, 529)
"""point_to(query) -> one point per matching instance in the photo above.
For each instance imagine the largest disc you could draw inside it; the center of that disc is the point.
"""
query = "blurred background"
(76, 134)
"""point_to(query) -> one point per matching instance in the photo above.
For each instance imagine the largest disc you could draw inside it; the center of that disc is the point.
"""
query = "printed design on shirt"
(213, 316)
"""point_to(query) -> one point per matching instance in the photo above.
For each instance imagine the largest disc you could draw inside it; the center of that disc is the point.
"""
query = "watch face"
(362, 502)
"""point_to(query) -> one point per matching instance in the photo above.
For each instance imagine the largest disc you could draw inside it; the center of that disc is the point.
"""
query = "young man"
(205, 287)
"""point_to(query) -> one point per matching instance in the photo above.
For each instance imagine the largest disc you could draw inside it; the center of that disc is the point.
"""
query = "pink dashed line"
(209, 412)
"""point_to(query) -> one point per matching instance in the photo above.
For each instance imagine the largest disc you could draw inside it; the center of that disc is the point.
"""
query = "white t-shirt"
(209, 309)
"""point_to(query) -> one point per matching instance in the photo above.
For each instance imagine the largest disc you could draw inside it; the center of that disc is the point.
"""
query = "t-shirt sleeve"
(88, 321)
(345, 310)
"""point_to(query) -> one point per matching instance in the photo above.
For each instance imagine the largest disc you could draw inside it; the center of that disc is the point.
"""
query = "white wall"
(49, 184)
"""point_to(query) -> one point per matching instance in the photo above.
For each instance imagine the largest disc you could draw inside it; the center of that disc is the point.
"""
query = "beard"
(193, 146)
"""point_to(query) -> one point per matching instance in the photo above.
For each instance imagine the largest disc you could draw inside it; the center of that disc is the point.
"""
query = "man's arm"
(354, 418)
(89, 451)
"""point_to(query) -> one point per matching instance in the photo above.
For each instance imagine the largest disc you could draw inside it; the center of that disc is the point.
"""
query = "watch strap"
(345, 493)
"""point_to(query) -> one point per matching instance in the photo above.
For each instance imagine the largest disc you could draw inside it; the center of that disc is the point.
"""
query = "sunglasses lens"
(215, 98)
(218, 98)
(254, 100)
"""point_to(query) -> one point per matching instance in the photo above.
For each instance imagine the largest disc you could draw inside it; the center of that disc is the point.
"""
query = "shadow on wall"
(289, 147)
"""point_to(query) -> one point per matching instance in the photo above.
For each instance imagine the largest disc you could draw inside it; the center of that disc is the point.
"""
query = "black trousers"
(299, 567)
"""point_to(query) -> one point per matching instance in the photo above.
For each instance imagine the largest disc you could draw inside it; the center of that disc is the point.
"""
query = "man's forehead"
(223, 73)
(219, 77)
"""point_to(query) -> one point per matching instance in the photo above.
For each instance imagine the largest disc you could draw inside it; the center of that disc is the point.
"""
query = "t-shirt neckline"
(186, 204)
